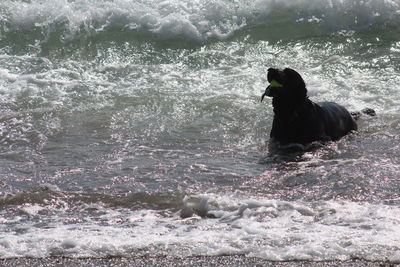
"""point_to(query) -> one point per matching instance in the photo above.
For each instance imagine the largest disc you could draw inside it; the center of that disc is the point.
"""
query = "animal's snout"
(270, 91)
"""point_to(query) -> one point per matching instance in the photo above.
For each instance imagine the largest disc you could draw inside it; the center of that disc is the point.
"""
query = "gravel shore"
(189, 261)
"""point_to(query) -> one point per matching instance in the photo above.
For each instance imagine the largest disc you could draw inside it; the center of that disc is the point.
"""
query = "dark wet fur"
(297, 119)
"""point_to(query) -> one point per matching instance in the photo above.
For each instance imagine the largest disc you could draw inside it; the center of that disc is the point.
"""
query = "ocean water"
(135, 127)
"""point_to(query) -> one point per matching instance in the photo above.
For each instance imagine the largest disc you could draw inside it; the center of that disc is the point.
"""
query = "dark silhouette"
(299, 120)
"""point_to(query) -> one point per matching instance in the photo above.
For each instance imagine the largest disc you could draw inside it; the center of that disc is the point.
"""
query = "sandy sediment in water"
(189, 261)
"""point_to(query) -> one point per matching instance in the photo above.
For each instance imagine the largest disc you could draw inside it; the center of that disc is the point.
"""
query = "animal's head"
(286, 85)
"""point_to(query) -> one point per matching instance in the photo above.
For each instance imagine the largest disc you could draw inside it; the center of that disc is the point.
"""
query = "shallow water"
(136, 128)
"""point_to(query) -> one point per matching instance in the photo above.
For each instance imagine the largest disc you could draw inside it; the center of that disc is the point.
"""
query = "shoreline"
(236, 260)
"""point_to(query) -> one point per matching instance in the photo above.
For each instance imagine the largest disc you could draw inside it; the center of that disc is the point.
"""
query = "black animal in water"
(299, 120)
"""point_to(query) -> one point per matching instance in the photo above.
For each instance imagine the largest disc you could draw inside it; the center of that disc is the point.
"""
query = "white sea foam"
(189, 118)
(194, 20)
(270, 229)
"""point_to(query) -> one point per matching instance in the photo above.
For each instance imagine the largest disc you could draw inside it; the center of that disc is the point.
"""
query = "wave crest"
(195, 21)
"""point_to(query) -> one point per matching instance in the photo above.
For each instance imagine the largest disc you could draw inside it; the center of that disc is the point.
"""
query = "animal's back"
(337, 120)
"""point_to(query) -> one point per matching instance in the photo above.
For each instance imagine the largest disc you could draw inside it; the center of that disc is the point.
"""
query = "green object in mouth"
(274, 83)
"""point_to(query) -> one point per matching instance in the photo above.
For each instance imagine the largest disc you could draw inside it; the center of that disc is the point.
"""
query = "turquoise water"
(117, 115)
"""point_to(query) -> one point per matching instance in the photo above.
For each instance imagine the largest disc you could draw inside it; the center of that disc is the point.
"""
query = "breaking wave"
(46, 223)
(65, 21)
